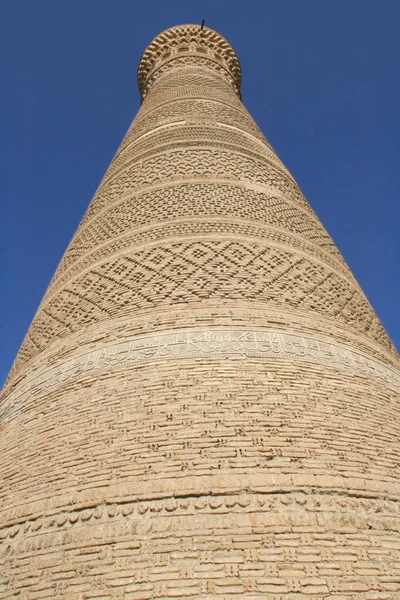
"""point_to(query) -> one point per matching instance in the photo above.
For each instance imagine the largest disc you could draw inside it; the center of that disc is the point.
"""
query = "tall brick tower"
(205, 405)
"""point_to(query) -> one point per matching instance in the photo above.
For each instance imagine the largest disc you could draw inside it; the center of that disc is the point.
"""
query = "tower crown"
(188, 45)
(203, 368)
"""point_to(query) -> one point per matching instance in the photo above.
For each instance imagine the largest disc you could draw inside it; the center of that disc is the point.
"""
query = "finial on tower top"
(188, 45)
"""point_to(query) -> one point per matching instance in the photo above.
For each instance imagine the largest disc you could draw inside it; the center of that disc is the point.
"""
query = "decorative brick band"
(213, 342)
(188, 45)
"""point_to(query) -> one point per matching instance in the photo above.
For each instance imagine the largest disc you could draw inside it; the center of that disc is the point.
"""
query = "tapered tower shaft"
(205, 404)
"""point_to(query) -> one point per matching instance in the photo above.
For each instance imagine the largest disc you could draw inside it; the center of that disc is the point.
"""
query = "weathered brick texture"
(205, 404)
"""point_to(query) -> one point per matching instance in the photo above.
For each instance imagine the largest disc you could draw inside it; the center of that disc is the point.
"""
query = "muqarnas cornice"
(186, 46)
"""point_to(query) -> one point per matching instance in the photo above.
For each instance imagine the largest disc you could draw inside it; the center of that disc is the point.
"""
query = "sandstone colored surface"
(205, 404)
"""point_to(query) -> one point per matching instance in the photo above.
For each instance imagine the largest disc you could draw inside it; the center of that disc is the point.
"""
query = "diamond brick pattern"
(205, 405)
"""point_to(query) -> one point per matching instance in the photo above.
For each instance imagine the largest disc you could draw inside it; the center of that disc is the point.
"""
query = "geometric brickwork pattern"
(205, 404)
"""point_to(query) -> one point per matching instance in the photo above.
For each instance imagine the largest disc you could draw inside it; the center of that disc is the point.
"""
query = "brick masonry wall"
(205, 404)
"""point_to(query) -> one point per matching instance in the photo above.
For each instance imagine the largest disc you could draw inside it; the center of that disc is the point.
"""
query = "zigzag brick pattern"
(205, 405)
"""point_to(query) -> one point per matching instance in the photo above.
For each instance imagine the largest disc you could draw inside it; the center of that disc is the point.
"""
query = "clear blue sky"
(320, 78)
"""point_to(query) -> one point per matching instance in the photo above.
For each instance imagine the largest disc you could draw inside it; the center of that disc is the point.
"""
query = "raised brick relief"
(205, 405)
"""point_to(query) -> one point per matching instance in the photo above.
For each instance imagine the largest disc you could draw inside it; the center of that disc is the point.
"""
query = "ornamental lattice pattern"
(205, 404)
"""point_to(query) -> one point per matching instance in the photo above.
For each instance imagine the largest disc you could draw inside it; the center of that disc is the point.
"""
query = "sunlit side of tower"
(205, 404)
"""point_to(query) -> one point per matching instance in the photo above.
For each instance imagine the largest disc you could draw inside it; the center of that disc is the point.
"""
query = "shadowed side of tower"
(205, 404)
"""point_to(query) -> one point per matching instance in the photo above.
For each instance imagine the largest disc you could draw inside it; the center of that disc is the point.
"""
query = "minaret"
(205, 404)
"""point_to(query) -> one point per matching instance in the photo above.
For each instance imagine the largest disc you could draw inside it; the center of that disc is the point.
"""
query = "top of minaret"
(188, 45)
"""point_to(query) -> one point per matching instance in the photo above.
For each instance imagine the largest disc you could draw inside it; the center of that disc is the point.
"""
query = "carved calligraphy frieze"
(216, 342)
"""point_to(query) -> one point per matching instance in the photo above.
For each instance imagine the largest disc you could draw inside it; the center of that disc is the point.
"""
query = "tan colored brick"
(205, 405)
